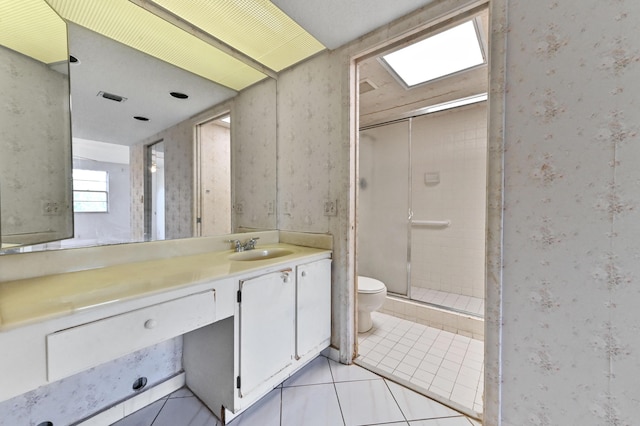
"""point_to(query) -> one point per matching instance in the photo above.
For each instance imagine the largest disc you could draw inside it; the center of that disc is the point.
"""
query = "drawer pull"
(150, 323)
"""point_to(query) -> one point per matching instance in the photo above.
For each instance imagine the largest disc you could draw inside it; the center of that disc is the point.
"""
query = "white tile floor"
(449, 365)
(474, 305)
(322, 393)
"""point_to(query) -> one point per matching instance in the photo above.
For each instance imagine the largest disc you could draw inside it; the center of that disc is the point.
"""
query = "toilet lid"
(370, 285)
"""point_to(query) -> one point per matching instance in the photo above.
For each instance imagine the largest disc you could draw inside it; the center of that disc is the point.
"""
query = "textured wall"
(571, 221)
(313, 165)
(253, 135)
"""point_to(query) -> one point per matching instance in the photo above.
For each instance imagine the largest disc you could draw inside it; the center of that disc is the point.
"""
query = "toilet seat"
(368, 285)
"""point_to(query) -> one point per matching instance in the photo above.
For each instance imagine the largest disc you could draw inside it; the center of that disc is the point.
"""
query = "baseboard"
(331, 353)
(135, 403)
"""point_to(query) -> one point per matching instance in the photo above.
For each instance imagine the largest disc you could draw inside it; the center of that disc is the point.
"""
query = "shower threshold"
(458, 303)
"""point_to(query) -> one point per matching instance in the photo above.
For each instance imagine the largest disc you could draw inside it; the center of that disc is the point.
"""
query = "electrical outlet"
(239, 208)
(51, 208)
(331, 208)
(270, 208)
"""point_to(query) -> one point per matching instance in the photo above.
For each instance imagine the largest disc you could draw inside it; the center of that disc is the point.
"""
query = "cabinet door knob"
(304, 273)
(150, 323)
(285, 277)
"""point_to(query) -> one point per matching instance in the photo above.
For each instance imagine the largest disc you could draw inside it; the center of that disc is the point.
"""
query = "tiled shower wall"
(453, 145)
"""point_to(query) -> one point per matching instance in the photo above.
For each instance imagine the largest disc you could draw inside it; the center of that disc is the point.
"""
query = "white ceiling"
(336, 22)
(106, 65)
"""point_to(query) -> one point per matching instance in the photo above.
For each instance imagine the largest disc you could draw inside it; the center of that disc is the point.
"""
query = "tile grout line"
(335, 389)
(159, 411)
(395, 400)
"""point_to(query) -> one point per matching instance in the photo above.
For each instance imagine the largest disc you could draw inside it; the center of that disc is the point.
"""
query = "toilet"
(371, 295)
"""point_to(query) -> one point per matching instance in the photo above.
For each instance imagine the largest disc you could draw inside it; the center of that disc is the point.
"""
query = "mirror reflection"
(157, 134)
(35, 196)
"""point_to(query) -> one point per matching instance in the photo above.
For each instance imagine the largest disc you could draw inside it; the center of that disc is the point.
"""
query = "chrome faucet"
(248, 245)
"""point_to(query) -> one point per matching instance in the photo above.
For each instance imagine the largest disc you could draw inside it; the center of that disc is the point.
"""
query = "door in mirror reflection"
(154, 193)
(213, 176)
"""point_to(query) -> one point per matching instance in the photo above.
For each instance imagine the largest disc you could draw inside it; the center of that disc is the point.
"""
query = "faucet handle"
(236, 243)
(251, 244)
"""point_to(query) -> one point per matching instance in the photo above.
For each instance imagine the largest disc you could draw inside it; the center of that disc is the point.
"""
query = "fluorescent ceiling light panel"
(445, 53)
(257, 28)
(32, 28)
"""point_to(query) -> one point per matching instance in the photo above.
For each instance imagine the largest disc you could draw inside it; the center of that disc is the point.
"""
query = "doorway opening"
(154, 192)
(213, 176)
(420, 207)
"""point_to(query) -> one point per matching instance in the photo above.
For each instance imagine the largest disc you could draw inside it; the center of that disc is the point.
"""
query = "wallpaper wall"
(71, 399)
(313, 167)
(571, 213)
(33, 159)
(254, 132)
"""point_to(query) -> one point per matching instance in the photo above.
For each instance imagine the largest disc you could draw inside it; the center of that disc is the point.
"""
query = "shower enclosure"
(421, 208)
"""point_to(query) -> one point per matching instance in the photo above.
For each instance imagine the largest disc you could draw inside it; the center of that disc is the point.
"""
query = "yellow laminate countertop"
(36, 299)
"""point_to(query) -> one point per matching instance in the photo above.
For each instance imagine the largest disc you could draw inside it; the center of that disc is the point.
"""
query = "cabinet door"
(313, 306)
(266, 316)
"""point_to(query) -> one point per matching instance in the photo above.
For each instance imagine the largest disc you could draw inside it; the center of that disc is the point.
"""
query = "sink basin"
(260, 254)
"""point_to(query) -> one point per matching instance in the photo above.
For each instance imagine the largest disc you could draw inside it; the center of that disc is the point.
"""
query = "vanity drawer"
(79, 348)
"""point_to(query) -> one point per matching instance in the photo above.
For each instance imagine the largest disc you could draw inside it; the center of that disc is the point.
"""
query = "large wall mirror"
(159, 152)
(35, 173)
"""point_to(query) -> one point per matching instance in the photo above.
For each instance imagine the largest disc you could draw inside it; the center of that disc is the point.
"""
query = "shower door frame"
(407, 296)
(409, 199)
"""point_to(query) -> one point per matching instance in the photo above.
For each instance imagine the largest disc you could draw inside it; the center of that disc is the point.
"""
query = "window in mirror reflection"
(90, 191)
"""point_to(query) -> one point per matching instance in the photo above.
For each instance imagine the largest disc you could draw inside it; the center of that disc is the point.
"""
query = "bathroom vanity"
(248, 321)
(281, 320)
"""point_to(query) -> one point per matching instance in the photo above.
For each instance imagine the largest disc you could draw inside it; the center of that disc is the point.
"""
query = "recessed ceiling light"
(179, 95)
(141, 118)
(448, 52)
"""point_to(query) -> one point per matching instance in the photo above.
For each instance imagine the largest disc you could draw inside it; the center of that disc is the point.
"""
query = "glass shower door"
(383, 205)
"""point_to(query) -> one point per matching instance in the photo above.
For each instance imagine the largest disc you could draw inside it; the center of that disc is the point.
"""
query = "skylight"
(445, 53)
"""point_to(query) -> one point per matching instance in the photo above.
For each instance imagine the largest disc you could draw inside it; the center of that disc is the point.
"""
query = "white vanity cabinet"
(266, 311)
(313, 306)
(282, 321)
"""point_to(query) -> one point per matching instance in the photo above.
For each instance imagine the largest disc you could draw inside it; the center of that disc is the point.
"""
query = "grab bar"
(432, 223)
